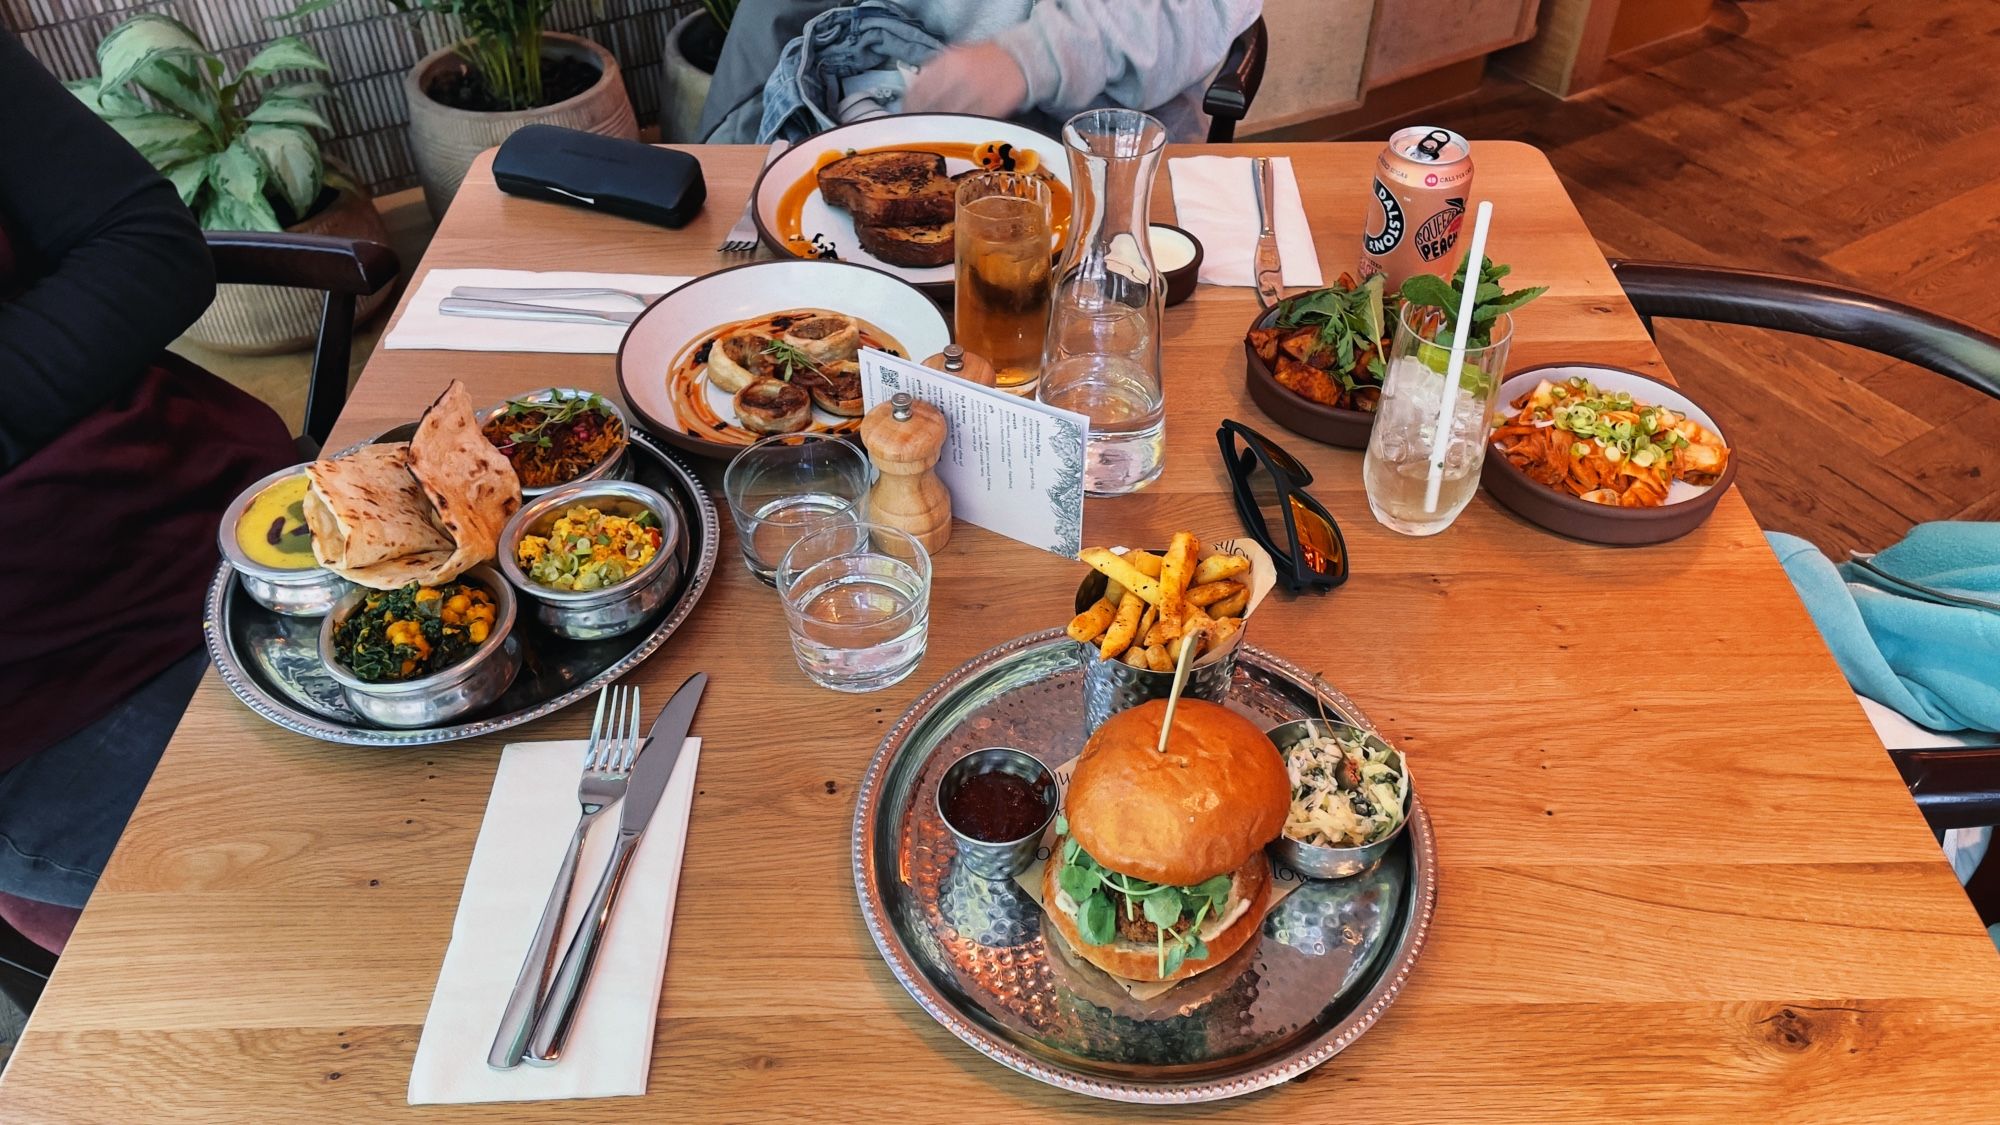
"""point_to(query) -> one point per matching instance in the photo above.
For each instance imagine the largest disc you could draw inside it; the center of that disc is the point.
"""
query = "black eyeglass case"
(618, 177)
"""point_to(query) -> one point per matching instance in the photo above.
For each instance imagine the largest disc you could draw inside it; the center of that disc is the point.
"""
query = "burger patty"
(1138, 927)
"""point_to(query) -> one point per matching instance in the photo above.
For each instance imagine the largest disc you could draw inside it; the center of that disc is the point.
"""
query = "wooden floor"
(1854, 141)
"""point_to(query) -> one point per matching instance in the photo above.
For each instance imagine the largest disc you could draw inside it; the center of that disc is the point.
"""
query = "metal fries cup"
(1111, 686)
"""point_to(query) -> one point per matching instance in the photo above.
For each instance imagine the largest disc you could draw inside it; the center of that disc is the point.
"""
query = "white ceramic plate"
(684, 316)
(912, 130)
(1647, 391)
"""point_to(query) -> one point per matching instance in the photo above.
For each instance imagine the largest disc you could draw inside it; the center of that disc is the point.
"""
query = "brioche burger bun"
(1171, 843)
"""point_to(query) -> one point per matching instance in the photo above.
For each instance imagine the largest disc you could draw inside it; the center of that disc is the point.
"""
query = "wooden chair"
(1956, 786)
(1235, 85)
(342, 268)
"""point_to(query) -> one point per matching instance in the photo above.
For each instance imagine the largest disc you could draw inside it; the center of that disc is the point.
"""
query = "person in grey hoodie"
(1039, 61)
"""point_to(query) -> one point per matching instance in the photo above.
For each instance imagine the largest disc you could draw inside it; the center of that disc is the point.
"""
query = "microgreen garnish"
(790, 357)
(559, 410)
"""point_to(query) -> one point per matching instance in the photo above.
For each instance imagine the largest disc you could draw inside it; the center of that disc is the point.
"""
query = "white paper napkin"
(1213, 198)
(422, 326)
(528, 822)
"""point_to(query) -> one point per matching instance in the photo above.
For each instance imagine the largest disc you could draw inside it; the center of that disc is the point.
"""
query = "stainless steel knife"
(642, 796)
(517, 310)
(1270, 268)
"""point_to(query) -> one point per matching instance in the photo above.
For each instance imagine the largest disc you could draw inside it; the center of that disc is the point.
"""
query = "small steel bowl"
(616, 465)
(440, 697)
(590, 615)
(1008, 858)
(1318, 862)
(305, 592)
(1111, 686)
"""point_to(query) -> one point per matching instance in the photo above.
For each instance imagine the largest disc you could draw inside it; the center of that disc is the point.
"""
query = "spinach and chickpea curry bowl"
(418, 656)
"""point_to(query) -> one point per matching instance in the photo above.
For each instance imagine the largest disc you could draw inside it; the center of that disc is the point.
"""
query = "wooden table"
(1680, 880)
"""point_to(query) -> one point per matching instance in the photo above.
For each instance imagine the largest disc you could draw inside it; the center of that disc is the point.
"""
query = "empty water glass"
(857, 601)
(786, 486)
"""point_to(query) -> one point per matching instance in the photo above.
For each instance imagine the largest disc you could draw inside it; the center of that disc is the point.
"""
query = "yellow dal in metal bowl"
(273, 529)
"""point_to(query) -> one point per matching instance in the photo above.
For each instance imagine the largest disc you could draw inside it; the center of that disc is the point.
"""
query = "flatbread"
(471, 486)
(365, 509)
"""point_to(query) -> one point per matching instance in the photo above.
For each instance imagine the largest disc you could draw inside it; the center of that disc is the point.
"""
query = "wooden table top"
(1679, 877)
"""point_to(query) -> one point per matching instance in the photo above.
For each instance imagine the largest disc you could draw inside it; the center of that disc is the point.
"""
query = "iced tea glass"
(1004, 247)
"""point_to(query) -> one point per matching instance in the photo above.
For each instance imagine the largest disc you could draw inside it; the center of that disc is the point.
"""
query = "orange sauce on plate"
(791, 205)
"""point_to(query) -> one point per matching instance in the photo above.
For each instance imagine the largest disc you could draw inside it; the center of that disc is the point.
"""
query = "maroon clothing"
(114, 466)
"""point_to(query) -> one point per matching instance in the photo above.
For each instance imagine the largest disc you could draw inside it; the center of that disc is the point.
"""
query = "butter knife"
(648, 783)
(1270, 268)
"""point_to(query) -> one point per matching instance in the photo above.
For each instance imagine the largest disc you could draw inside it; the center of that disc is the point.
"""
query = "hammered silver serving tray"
(272, 661)
(1331, 958)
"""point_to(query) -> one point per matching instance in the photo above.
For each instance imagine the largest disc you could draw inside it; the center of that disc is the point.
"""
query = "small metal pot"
(616, 465)
(1111, 686)
(1318, 862)
(440, 697)
(590, 615)
(303, 592)
(1008, 858)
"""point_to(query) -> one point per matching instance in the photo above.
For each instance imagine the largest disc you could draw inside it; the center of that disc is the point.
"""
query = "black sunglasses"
(1312, 555)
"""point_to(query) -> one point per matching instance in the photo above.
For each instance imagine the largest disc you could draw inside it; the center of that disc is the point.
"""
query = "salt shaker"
(955, 360)
(904, 437)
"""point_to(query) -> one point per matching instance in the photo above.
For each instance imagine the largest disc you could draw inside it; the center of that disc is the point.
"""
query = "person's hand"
(977, 78)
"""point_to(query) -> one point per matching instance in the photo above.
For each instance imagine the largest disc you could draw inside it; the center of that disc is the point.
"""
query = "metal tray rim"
(1369, 1009)
(229, 666)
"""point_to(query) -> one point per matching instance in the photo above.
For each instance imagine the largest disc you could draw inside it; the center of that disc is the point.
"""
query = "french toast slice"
(912, 246)
(890, 189)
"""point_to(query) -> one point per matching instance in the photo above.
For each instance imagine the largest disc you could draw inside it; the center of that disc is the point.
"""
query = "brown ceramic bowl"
(1177, 254)
(1686, 507)
(1347, 429)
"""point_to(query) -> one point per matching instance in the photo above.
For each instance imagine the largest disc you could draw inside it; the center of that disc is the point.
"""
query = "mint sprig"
(1490, 301)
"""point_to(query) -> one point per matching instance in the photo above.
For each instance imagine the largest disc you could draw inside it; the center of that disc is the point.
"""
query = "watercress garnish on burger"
(1177, 913)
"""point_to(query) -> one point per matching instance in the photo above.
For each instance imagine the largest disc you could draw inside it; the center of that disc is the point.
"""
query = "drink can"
(1422, 180)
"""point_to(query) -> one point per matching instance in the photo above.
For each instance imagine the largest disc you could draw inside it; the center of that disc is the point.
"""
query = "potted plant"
(694, 46)
(236, 169)
(506, 73)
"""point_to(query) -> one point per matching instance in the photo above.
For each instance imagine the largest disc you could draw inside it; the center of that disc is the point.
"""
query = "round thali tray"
(272, 661)
(1330, 959)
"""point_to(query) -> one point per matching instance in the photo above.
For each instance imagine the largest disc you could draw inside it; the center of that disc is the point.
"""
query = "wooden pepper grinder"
(955, 360)
(904, 438)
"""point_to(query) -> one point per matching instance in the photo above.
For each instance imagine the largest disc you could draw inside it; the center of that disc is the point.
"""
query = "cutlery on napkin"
(423, 325)
(1215, 198)
(527, 825)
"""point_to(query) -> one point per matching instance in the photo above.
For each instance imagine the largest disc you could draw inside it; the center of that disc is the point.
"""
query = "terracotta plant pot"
(686, 69)
(269, 319)
(445, 139)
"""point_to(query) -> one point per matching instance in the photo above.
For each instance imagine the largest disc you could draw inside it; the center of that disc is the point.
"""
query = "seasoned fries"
(1124, 626)
(1215, 568)
(1089, 625)
(1155, 605)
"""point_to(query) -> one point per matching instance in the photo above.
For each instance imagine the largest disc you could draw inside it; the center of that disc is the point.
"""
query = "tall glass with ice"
(1397, 466)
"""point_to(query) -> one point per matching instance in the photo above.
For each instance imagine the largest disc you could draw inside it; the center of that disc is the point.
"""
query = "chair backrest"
(1235, 86)
(1812, 308)
(342, 268)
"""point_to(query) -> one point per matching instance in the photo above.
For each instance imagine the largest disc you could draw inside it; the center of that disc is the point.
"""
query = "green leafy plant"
(1489, 302)
(1351, 321)
(723, 12)
(502, 44)
(166, 93)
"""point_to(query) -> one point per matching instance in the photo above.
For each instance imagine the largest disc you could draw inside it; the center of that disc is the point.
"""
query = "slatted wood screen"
(369, 46)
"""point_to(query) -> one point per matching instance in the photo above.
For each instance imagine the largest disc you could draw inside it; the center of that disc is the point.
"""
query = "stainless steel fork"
(607, 764)
(742, 238)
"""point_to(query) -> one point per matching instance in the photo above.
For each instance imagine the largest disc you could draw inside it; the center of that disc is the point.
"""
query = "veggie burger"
(1159, 871)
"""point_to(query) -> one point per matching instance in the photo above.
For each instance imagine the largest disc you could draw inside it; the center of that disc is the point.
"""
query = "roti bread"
(424, 511)
(365, 509)
(471, 486)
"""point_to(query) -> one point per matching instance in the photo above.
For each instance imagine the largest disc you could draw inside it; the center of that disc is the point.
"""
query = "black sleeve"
(118, 265)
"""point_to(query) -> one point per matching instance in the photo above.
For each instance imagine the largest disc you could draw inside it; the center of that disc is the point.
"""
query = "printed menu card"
(1012, 465)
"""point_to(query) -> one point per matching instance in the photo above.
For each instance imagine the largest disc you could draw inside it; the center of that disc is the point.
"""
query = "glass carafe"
(1102, 357)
